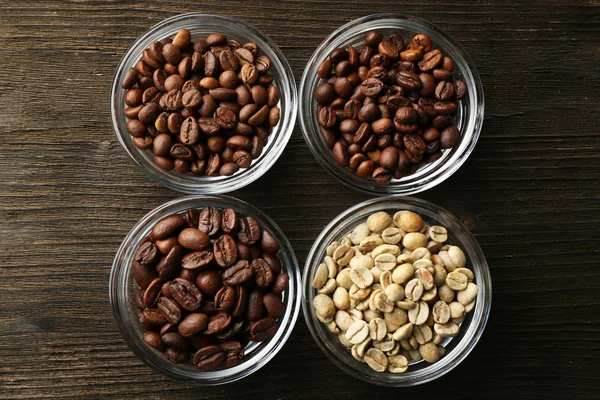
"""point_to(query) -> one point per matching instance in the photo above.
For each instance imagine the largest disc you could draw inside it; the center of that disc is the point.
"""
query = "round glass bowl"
(471, 328)
(469, 117)
(202, 25)
(122, 288)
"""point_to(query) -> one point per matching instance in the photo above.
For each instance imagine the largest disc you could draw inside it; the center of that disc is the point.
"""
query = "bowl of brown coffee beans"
(203, 103)
(390, 104)
(396, 291)
(205, 289)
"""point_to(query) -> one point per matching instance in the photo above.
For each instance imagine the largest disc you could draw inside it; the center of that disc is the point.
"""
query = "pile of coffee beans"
(203, 107)
(386, 107)
(209, 282)
(393, 290)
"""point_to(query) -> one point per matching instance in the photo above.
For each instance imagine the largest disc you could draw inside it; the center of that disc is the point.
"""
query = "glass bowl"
(457, 348)
(122, 288)
(201, 25)
(468, 118)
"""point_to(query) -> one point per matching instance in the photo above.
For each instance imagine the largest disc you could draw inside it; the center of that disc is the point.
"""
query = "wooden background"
(529, 192)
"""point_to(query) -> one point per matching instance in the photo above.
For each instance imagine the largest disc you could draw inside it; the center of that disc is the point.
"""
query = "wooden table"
(529, 192)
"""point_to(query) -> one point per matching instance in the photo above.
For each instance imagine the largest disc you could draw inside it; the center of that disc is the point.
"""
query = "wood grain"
(529, 192)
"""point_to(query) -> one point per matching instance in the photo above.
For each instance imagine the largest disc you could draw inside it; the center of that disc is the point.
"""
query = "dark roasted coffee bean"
(229, 80)
(239, 273)
(328, 136)
(216, 144)
(412, 55)
(382, 176)
(342, 68)
(165, 246)
(209, 358)
(154, 317)
(406, 115)
(263, 64)
(460, 89)
(281, 283)
(263, 275)
(139, 299)
(181, 152)
(177, 356)
(185, 67)
(255, 308)
(382, 126)
(372, 38)
(168, 328)
(209, 282)
(225, 117)
(263, 329)
(430, 134)
(144, 275)
(388, 49)
(356, 160)
(167, 226)
(143, 68)
(198, 260)
(351, 109)
(198, 168)
(369, 113)
(422, 42)
(366, 55)
(428, 84)
(225, 251)
(340, 155)
(445, 107)
(268, 243)
(208, 308)
(189, 133)
(327, 117)
(397, 41)
(444, 91)
(449, 137)
(353, 57)
(211, 64)
(371, 87)
(389, 158)
(153, 340)
(408, 80)
(433, 146)
(135, 128)
(132, 113)
(165, 163)
(362, 133)
(208, 127)
(234, 352)
(174, 122)
(146, 254)
(242, 158)
(193, 239)
(170, 310)
(218, 323)
(273, 304)
(131, 79)
(249, 232)
(174, 100)
(323, 71)
(151, 95)
(173, 82)
(343, 87)
(192, 98)
(442, 75)
(225, 299)
(187, 274)
(174, 339)
(324, 93)
(273, 262)
(241, 301)
(370, 144)
(197, 62)
(380, 60)
(186, 294)
(414, 144)
(168, 266)
(209, 220)
(427, 105)
(430, 60)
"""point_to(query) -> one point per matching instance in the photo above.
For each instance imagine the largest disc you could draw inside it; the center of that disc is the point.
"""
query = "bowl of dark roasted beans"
(203, 103)
(205, 289)
(390, 104)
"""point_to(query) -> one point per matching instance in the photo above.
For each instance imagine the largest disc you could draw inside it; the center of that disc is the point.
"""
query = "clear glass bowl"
(469, 117)
(122, 288)
(201, 25)
(457, 348)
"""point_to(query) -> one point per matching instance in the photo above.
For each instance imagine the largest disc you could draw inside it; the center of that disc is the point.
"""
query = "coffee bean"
(146, 254)
(209, 358)
(430, 60)
(209, 282)
(389, 158)
(444, 91)
(233, 353)
(324, 93)
(371, 87)
(170, 310)
(225, 299)
(388, 49)
(281, 283)
(186, 294)
(154, 317)
(198, 260)
(176, 356)
(242, 158)
(449, 137)
(382, 126)
(263, 275)
(169, 265)
(225, 251)
(445, 107)
(340, 154)
(193, 239)
(460, 89)
(268, 243)
(263, 329)
(381, 176)
(167, 226)
(209, 220)
(372, 38)
(211, 64)
(422, 42)
(218, 323)
(263, 64)
(411, 55)
(408, 80)
(144, 274)
(249, 232)
(153, 339)
(273, 304)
